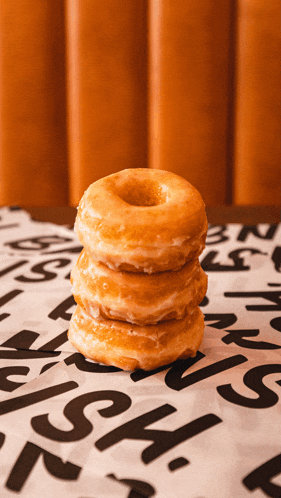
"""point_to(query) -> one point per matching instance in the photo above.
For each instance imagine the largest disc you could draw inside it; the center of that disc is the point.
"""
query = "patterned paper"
(205, 427)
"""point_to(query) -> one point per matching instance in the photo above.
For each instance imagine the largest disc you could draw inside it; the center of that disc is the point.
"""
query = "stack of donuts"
(138, 282)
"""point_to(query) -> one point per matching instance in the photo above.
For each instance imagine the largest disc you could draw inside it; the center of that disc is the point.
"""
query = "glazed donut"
(142, 220)
(130, 346)
(137, 297)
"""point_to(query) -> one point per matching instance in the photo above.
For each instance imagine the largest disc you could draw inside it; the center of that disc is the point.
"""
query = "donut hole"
(146, 193)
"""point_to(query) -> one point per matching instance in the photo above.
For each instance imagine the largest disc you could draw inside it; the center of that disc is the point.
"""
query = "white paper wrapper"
(205, 427)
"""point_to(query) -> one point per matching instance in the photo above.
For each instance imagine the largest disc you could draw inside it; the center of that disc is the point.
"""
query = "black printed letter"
(162, 440)
(253, 380)
(28, 458)
(260, 477)
(74, 413)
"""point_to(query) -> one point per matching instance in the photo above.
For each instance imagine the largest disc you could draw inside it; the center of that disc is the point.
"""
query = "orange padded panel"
(189, 84)
(32, 120)
(257, 170)
(107, 99)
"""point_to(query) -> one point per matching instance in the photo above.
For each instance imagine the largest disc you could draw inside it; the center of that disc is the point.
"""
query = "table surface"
(249, 215)
(209, 424)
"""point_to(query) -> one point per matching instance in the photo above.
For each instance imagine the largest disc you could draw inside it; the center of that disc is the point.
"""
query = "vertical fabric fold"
(107, 89)
(32, 117)
(189, 60)
(258, 104)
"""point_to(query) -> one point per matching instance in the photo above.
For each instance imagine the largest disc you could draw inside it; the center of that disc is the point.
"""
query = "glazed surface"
(138, 282)
(135, 297)
(142, 220)
(130, 346)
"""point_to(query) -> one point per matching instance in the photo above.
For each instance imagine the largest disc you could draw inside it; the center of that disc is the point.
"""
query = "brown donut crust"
(137, 297)
(142, 220)
(130, 346)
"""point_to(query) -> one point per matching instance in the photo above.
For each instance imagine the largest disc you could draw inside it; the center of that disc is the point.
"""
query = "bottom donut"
(133, 347)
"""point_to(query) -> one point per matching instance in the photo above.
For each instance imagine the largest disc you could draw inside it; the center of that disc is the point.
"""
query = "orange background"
(90, 87)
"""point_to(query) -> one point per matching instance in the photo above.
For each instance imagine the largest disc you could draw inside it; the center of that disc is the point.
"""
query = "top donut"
(142, 220)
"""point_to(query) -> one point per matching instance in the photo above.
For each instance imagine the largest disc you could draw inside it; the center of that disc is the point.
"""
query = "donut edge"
(181, 345)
